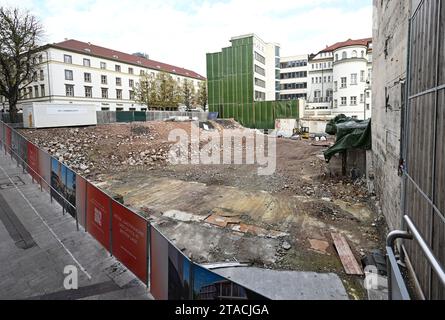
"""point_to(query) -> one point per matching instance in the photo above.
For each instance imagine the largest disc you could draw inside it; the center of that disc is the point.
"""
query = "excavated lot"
(219, 213)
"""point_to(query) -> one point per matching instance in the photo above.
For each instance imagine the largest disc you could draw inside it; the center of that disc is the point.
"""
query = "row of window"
(33, 92)
(294, 64)
(260, 96)
(322, 65)
(293, 75)
(344, 80)
(290, 86)
(88, 92)
(38, 76)
(103, 78)
(103, 65)
(352, 101)
(260, 70)
(293, 96)
(325, 79)
(344, 55)
(260, 58)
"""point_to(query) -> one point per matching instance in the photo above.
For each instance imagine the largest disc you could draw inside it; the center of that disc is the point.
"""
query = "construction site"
(228, 213)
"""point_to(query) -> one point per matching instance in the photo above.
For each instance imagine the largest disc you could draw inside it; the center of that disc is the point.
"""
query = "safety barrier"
(128, 236)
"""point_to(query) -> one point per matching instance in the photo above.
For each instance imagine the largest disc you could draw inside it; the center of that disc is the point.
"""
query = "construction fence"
(104, 117)
(125, 234)
(260, 114)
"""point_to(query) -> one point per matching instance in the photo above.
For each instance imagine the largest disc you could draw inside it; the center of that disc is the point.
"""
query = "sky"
(181, 32)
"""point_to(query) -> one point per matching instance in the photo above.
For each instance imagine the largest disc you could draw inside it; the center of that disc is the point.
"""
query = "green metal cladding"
(230, 78)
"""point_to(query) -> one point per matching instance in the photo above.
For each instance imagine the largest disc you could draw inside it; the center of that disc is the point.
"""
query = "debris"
(286, 245)
(347, 258)
(319, 245)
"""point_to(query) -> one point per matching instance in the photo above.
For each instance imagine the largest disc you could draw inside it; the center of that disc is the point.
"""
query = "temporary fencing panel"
(129, 234)
(45, 168)
(33, 161)
(8, 139)
(179, 275)
(124, 116)
(70, 192)
(81, 199)
(98, 215)
(159, 265)
(58, 178)
(140, 116)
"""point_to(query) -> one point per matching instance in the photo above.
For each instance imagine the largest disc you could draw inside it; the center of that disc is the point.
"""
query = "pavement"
(37, 242)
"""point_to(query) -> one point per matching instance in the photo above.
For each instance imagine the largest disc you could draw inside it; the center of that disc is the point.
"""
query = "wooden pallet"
(347, 258)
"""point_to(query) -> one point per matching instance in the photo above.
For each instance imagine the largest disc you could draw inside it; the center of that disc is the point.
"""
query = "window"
(67, 59)
(104, 93)
(86, 63)
(335, 86)
(260, 83)
(260, 96)
(363, 54)
(34, 76)
(362, 98)
(117, 68)
(142, 72)
(131, 94)
(42, 90)
(103, 79)
(260, 58)
(336, 57)
(118, 94)
(353, 101)
(30, 92)
(105, 108)
(368, 106)
(313, 80)
(36, 91)
(260, 70)
(343, 82)
(130, 71)
(354, 79)
(354, 54)
(69, 90)
(118, 81)
(42, 77)
(68, 75)
(119, 109)
(87, 77)
(368, 95)
(131, 83)
(335, 103)
(362, 76)
(103, 65)
(343, 101)
(324, 79)
(88, 92)
(344, 55)
(132, 109)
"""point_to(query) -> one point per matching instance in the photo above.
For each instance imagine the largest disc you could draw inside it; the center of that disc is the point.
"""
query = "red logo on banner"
(130, 240)
(33, 161)
(98, 215)
(8, 139)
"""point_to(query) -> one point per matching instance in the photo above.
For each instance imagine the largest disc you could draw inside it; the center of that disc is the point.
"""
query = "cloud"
(182, 32)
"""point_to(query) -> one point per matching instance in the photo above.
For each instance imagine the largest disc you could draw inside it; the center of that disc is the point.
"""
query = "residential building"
(82, 73)
(320, 81)
(294, 77)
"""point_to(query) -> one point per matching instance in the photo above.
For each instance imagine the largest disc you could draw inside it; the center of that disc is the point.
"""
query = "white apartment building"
(294, 77)
(82, 73)
(339, 81)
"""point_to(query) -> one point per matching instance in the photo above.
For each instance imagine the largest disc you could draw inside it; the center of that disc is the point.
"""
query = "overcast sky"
(181, 32)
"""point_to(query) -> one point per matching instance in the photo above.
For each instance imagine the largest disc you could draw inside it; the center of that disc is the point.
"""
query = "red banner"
(8, 139)
(130, 240)
(33, 161)
(98, 215)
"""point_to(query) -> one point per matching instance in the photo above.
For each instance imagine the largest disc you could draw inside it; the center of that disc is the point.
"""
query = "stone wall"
(390, 39)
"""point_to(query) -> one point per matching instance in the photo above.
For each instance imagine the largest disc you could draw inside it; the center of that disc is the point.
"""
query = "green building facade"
(230, 77)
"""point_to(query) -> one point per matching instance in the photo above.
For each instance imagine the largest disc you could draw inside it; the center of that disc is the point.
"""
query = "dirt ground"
(218, 213)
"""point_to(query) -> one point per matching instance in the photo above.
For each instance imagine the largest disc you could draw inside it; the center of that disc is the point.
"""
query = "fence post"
(111, 227)
(148, 268)
(86, 205)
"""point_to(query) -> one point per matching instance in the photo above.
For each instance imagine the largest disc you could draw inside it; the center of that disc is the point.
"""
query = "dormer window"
(87, 50)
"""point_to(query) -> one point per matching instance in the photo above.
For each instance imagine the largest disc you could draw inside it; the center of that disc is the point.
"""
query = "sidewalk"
(37, 241)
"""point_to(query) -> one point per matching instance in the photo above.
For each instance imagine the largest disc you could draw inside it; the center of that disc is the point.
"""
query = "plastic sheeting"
(351, 134)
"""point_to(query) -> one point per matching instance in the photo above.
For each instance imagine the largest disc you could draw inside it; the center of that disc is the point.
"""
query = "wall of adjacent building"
(390, 36)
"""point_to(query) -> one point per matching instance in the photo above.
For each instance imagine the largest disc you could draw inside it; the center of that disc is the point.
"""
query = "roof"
(360, 42)
(93, 50)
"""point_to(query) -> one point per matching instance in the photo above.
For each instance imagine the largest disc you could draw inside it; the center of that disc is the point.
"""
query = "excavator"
(303, 132)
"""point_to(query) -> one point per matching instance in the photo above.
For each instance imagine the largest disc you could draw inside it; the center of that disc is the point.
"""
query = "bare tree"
(20, 34)
(202, 95)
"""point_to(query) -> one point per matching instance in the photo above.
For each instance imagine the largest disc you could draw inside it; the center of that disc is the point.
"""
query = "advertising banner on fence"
(98, 215)
(81, 197)
(70, 191)
(129, 234)
(210, 286)
(58, 173)
(159, 265)
(179, 275)
(8, 138)
(45, 168)
(33, 161)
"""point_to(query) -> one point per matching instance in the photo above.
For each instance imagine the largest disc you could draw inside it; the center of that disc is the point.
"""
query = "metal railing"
(396, 282)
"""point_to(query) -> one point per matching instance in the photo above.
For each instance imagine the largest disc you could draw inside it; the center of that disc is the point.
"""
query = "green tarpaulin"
(351, 134)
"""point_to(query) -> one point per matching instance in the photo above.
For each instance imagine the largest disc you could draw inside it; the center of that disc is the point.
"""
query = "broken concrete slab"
(183, 216)
(287, 285)
(257, 231)
(221, 221)
(319, 246)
